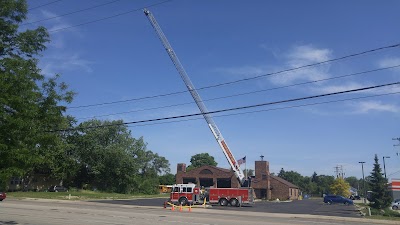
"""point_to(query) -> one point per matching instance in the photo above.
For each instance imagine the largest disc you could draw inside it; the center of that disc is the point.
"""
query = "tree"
(340, 187)
(30, 104)
(380, 196)
(353, 181)
(110, 159)
(201, 159)
(292, 177)
(166, 179)
(323, 184)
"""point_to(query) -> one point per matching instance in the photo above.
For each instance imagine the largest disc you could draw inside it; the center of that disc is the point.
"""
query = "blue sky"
(121, 58)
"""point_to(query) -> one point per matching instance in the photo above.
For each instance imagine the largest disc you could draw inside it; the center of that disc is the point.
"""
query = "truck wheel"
(234, 202)
(183, 201)
(223, 202)
(329, 202)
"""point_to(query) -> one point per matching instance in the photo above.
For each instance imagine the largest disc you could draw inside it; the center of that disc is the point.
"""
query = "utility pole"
(398, 139)
(384, 166)
(365, 191)
(339, 171)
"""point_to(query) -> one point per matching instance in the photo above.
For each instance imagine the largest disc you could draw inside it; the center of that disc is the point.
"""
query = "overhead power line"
(273, 109)
(39, 6)
(240, 80)
(109, 17)
(242, 107)
(246, 93)
(70, 13)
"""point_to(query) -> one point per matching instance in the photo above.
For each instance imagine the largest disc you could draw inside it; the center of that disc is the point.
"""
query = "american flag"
(242, 160)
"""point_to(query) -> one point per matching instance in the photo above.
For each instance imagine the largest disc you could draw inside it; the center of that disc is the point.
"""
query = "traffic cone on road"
(180, 208)
(173, 207)
(190, 208)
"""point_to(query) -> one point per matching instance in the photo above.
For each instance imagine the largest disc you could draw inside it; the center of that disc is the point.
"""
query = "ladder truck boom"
(211, 124)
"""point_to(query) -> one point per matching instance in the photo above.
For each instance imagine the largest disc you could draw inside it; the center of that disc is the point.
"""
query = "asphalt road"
(61, 212)
(310, 206)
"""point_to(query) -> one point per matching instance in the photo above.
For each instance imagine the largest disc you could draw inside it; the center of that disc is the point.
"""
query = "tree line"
(318, 185)
(38, 137)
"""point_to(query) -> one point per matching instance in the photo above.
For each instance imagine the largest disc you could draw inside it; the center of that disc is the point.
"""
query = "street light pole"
(384, 166)
(365, 191)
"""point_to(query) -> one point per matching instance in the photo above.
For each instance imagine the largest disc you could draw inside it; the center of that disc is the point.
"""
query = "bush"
(384, 212)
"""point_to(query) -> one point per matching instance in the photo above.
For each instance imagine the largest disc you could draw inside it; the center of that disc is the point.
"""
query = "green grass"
(78, 195)
(386, 214)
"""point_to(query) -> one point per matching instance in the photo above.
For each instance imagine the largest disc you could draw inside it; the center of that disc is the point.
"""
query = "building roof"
(196, 170)
(285, 182)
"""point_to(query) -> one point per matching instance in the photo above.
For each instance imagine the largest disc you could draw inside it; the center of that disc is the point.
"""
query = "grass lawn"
(79, 195)
(387, 214)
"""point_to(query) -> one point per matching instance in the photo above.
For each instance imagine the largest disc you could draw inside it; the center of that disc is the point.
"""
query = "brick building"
(265, 186)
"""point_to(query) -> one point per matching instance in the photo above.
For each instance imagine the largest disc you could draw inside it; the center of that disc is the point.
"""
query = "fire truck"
(189, 194)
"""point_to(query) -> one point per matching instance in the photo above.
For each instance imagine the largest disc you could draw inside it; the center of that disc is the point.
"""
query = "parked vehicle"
(354, 197)
(56, 188)
(396, 204)
(2, 196)
(330, 199)
(185, 194)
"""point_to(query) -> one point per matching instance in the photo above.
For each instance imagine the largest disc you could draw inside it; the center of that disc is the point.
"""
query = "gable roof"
(283, 181)
(198, 170)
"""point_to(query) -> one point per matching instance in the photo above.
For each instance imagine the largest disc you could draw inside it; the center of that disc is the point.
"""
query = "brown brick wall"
(282, 191)
(216, 173)
(261, 182)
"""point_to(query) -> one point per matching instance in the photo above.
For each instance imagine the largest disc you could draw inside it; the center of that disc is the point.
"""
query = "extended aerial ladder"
(211, 124)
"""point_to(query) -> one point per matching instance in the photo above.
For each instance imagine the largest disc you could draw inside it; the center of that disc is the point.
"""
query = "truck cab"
(185, 194)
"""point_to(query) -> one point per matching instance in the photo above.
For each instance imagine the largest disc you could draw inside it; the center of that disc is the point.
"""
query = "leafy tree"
(29, 102)
(314, 178)
(110, 159)
(316, 184)
(166, 179)
(292, 177)
(323, 184)
(340, 187)
(380, 196)
(201, 159)
(353, 181)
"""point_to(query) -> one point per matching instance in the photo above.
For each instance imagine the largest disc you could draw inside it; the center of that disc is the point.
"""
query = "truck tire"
(329, 202)
(223, 202)
(183, 201)
(234, 202)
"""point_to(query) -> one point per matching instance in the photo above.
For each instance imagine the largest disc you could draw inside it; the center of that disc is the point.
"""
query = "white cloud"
(304, 55)
(295, 57)
(58, 58)
(388, 62)
(339, 88)
(57, 63)
(369, 106)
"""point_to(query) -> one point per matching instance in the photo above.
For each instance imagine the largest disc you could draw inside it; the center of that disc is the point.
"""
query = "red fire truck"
(185, 194)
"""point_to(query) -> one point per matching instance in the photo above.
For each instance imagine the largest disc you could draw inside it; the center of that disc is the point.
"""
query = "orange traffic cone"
(190, 208)
(180, 208)
(173, 207)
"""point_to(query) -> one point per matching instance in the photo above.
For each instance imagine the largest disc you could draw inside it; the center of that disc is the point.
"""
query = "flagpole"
(245, 170)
